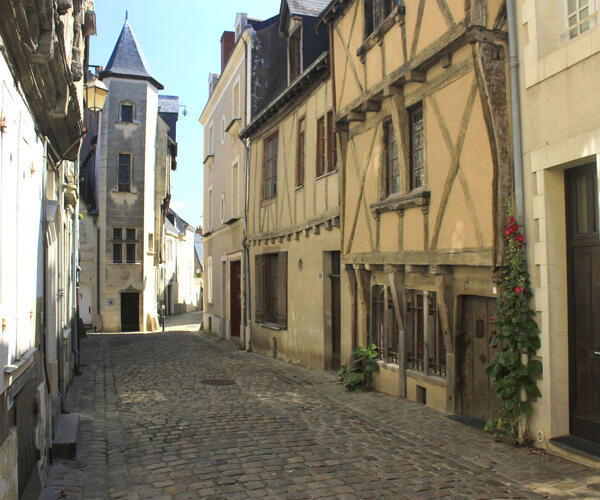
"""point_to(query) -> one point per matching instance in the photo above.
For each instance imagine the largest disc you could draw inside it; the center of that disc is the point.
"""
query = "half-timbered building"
(293, 204)
(420, 99)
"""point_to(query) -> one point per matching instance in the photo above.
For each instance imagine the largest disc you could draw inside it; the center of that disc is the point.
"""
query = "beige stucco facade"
(561, 130)
(437, 239)
(300, 221)
(224, 181)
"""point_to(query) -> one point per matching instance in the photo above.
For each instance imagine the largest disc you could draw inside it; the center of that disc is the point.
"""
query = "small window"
(236, 100)
(209, 280)
(150, 242)
(128, 244)
(222, 208)
(580, 16)
(124, 172)
(417, 156)
(127, 113)
(130, 253)
(270, 167)
(223, 127)
(209, 209)
(271, 289)
(375, 12)
(321, 146)
(392, 171)
(235, 194)
(295, 53)
(210, 146)
(300, 146)
(331, 144)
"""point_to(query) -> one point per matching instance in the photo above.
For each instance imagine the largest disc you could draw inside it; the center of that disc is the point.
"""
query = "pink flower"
(518, 289)
(520, 238)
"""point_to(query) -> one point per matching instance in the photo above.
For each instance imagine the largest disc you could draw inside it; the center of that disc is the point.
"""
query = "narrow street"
(159, 421)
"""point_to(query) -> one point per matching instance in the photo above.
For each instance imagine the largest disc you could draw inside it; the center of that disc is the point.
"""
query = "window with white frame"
(209, 210)
(236, 100)
(223, 127)
(222, 208)
(235, 183)
(209, 141)
(209, 282)
(581, 16)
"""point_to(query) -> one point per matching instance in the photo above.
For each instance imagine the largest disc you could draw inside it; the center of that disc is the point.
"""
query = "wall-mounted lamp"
(95, 95)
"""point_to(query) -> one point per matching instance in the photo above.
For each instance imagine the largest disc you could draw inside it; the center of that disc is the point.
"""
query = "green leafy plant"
(513, 371)
(356, 376)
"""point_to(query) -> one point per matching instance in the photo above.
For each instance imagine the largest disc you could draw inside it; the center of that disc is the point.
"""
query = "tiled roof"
(307, 7)
(127, 59)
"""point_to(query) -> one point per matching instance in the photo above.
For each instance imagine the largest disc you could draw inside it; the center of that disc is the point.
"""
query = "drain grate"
(217, 381)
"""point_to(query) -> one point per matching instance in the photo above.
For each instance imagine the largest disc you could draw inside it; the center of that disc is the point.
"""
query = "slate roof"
(168, 104)
(127, 59)
(307, 7)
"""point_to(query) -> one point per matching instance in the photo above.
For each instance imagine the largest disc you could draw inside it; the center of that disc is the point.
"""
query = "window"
(375, 12)
(424, 335)
(580, 16)
(392, 171)
(386, 340)
(124, 172)
(270, 168)
(209, 280)
(127, 113)
(271, 289)
(209, 210)
(236, 100)
(417, 160)
(321, 146)
(235, 195)
(223, 127)
(151, 242)
(300, 153)
(222, 208)
(124, 239)
(210, 147)
(295, 52)
(331, 144)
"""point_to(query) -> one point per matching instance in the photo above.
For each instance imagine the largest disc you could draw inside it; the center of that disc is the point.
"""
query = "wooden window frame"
(270, 175)
(321, 147)
(271, 280)
(295, 54)
(384, 331)
(300, 152)
(416, 172)
(389, 143)
(331, 144)
(375, 12)
(125, 187)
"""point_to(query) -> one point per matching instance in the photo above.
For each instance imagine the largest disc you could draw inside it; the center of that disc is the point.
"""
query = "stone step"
(65, 442)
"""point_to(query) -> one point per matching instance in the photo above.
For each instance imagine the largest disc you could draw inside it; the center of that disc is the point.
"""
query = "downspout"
(247, 314)
(45, 269)
(515, 104)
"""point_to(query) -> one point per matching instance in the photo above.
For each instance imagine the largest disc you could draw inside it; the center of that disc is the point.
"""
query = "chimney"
(227, 46)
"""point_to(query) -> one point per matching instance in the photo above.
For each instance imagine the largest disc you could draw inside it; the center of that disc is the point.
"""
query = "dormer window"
(375, 12)
(126, 112)
(295, 53)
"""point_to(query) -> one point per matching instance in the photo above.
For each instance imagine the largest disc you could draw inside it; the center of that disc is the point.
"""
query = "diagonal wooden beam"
(461, 176)
(454, 164)
(446, 12)
(417, 32)
(347, 50)
(363, 180)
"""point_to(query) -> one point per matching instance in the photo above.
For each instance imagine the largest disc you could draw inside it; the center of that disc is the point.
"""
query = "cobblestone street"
(151, 427)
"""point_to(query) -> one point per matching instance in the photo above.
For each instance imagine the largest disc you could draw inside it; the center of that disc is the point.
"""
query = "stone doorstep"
(575, 454)
(64, 444)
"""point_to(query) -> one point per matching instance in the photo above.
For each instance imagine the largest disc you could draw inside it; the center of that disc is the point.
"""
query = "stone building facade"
(420, 97)
(559, 55)
(134, 155)
(41, 127)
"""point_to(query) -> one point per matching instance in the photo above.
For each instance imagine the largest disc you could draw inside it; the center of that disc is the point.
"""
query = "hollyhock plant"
(514, 369)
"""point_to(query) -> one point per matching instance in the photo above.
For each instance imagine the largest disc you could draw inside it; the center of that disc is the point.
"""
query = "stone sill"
(270, 326)
(327, 174)
(419, 197)
(20, 364)
(426, 379)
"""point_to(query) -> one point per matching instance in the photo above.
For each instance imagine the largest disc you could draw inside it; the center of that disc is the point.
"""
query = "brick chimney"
(227, 46)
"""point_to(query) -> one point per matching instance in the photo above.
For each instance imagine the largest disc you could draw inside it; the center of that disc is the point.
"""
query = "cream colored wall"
(9, 470)
(561, 129)
(293, 208)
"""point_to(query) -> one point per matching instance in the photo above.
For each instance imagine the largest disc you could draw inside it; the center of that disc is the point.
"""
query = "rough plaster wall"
(9, 472)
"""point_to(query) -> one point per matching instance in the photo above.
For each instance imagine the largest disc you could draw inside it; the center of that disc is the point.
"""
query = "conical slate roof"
(127, 59)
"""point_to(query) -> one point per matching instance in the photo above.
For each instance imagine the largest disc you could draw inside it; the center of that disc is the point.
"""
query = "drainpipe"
(45, 269)
(247, 315)
(515, 90)
(515, 104)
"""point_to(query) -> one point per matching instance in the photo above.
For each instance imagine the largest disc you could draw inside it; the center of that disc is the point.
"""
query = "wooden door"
(475, 396)
(235, 306)
(335, 311)
(25, 420)
(130, 316)
(583, 254)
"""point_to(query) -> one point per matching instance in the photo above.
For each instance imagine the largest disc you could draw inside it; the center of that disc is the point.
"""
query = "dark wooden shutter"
(282, 292)
(259, 292)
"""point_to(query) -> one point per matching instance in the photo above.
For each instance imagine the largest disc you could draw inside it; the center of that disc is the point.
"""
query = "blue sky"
(181, 42)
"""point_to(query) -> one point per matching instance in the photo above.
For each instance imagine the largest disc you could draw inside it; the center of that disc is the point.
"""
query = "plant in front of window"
(356, 376)
(513, 371)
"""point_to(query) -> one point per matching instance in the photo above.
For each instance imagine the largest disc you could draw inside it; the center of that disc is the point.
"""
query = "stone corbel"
(43, 47)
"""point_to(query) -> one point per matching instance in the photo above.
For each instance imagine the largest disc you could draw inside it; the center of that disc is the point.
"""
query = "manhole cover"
(217, 381)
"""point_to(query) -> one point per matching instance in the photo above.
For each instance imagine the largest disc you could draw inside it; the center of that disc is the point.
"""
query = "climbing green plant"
(513, 371)
(363, 363)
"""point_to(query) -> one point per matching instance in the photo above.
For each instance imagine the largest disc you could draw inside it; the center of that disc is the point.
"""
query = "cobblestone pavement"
(151, 428)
